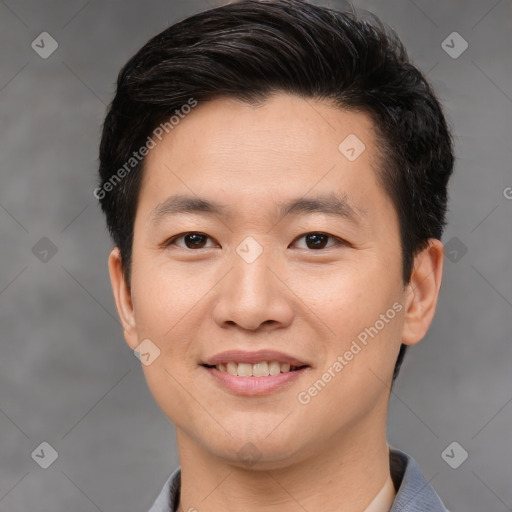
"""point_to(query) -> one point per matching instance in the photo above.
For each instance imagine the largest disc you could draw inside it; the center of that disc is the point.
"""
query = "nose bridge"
(250, 280)
(251, 295)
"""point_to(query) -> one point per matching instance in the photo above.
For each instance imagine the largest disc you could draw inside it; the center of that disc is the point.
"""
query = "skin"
(310, 303)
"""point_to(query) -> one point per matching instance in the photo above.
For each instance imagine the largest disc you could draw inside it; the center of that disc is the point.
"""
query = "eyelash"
(338, 240)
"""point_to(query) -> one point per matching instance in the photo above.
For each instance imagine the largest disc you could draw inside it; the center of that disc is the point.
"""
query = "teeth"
(274, 368)
(260, 369)
(244, 370)
(231, 368)
(263, 369)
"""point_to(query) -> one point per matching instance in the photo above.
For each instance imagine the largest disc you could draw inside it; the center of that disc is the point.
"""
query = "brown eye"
(195, 240)
(191, 240)
(318, 240)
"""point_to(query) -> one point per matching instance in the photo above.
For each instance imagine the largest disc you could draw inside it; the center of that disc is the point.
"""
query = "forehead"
(288, 146)
(284, 124)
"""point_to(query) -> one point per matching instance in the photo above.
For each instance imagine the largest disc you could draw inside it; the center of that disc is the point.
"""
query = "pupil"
(318, 240)
(194, 239)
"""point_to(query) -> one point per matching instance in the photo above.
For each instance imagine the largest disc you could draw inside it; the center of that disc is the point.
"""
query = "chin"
(257, 451)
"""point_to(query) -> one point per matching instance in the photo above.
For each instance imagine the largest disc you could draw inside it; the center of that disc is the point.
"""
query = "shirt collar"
(414, 493)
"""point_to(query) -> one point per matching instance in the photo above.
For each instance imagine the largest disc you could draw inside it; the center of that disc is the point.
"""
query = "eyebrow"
(329, 204)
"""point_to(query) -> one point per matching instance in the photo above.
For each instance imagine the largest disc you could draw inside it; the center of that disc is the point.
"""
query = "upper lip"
(242, 356)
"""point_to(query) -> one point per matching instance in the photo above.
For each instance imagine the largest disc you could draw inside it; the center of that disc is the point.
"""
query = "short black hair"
(251, 49)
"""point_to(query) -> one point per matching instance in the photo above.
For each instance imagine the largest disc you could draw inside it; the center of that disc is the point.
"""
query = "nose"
(253, 296)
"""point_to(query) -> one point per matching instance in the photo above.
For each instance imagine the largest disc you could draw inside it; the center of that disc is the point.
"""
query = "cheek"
(362, 310)
(166, 383)
(347, 297)
(161, 316)
(166, 296)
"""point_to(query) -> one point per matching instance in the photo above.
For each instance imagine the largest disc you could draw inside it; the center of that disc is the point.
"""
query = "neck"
(347, 473)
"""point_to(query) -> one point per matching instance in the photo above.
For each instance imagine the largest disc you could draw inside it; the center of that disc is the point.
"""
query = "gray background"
(66, 375)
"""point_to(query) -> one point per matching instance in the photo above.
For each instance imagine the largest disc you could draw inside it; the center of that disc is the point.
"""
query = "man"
(274, 176)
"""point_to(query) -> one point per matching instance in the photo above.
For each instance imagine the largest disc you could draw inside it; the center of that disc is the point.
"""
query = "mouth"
(254, 373)
(261, 369)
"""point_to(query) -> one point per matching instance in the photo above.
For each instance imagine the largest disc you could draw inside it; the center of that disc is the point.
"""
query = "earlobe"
(422, 292)
(122, 297)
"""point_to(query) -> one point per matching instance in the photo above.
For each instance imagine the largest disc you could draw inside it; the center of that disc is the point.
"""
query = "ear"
(122, 296)
(422, 292)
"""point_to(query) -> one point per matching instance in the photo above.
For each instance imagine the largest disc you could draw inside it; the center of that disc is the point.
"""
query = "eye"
(192, 240)
(318, 240)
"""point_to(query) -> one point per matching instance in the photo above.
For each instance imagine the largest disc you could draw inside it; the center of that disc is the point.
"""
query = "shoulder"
(168, 499)
(414, 493)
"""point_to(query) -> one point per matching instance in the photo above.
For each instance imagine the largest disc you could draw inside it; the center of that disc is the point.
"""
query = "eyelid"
(338, 240)
(169, 242)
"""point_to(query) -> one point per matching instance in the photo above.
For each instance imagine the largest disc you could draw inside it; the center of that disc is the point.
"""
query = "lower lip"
(255, 386)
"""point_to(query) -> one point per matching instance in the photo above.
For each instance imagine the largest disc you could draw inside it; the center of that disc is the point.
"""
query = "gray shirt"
(414, 493)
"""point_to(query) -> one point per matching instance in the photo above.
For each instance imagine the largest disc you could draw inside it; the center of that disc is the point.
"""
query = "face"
(282, 252)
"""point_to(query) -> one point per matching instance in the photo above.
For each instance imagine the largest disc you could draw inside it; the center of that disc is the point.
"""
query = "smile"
(261, 369)
(254, 373)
